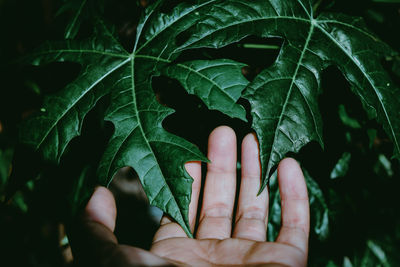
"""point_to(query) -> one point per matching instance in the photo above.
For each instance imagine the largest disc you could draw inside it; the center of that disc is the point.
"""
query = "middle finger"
(220, 186)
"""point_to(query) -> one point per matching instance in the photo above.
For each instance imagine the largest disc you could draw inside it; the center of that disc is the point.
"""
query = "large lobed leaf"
(139, 139)
(283, 98)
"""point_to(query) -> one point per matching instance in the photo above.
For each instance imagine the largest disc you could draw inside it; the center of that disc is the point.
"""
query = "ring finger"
(252, 213)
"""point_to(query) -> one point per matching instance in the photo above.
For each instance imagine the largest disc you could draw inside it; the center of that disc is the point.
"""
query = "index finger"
(168, 227)
(295, 205)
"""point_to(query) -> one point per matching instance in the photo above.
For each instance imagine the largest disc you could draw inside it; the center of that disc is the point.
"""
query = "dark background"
(363, 205)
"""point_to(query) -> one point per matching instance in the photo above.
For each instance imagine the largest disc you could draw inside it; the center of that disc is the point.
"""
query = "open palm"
(220, 239)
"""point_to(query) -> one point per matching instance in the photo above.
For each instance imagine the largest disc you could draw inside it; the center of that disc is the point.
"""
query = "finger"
(252, 212)
(295, 205)
(220, 186)
(101, 208)
(93, 242)
(92, 233)
(168, 227)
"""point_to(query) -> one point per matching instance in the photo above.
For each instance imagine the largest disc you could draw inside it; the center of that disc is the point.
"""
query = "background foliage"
(353, 181)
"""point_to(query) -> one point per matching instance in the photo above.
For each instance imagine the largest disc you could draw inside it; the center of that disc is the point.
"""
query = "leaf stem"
(259, 46)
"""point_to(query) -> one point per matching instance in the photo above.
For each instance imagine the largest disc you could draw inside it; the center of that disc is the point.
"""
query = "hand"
(216, 243)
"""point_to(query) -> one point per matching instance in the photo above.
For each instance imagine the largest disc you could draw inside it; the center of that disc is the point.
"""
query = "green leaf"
(378, 252)
(139, 139)
(383, 166)
(73, 26)
(318, 207)
(81, 192)
(19, 201)
(374, 255)
(347, 262)
(346, 119)
(219, 83)
(62, 114)
(274, 212)
(342, 166)
(284, 97)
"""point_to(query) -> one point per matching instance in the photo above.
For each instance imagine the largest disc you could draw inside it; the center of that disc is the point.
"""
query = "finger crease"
(256, 216)
(295, 228)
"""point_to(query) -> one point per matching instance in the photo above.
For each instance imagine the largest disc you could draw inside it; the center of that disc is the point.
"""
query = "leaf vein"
(78, 99)
(370, 82)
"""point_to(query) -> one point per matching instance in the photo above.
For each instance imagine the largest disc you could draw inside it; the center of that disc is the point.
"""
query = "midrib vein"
(291, 88)
(145, 138)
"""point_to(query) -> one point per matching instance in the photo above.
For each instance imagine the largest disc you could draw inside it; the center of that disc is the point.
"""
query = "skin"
(220, 239)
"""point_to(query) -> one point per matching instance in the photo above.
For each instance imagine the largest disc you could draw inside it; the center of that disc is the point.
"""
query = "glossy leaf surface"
(139, 139)
(283, 97)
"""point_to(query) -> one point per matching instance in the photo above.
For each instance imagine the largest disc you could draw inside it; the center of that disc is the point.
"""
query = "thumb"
(91, 234)
(93, 242)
